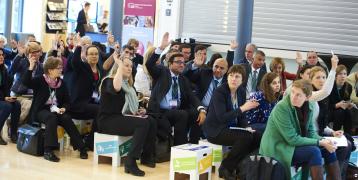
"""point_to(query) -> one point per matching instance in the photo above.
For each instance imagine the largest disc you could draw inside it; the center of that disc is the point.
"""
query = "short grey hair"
(86, 39)
(4, 39)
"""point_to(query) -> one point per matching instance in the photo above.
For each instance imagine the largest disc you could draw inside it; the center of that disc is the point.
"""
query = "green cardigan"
(282, 133)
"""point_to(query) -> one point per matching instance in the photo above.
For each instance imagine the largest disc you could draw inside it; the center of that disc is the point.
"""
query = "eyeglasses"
(92, 54)
(179, 62)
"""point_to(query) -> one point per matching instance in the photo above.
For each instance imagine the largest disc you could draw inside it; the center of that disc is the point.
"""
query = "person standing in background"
(83, 19)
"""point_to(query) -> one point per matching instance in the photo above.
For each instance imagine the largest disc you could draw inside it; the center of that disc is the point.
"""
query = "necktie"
(216, 83)
(253, 81)
(175, 88)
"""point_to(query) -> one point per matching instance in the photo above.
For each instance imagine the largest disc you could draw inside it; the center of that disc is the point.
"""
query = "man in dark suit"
(172, 99)
(254, 73)
(250, 49)
(207, 80)
(82, 19)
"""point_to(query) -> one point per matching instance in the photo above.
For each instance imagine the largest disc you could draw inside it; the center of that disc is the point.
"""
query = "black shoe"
(226, 174)
(130, 167)
(13, 138)
(51, 157)
(83, 154)
(149, 162)
(2, 141)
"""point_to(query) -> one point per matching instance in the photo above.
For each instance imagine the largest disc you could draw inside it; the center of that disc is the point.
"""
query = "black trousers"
(179, 119)
(342, 117)
(195, 131)
(242, 143)
(143, 131)
(51, 121)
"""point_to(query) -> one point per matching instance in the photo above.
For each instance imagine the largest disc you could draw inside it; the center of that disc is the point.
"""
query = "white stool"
(217, 154)
(111, 146)
(190, 160)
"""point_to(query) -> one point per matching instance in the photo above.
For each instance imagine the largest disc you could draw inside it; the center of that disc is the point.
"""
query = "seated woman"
(8, 105)
(226, 112)
(49, 106)
(352, 79)
(267, 97)
(290, 136)
(339, 101)
(119, 115)
(278, 66)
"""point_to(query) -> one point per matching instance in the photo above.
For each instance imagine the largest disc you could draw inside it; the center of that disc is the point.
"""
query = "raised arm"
(328, 85)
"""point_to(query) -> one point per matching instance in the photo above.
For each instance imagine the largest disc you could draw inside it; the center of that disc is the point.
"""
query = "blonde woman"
(119, 115)
(143, 80)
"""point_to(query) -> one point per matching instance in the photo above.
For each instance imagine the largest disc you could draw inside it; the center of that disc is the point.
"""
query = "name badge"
(173, 103)
(94, 94)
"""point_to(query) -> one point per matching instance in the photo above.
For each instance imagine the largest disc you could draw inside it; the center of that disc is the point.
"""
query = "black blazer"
(82, 82)
(220, 111)
(202, 77)
(42, 93)
(259, 76)
(5, 83)
(344, 94)
(81, 21)
(162, 78)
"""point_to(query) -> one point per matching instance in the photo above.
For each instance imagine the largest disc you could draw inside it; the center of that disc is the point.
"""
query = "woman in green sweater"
(290, 135)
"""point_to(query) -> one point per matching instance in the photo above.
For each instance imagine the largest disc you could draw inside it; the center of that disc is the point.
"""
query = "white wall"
(34, 18)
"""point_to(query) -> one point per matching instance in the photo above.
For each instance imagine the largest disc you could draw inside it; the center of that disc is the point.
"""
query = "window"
(304, 25)
(213, 21)
(2, 15)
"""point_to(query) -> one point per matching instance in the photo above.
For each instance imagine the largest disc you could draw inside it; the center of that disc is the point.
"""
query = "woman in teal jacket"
(290, 135)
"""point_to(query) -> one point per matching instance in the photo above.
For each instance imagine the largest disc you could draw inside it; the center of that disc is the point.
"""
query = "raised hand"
(110, 39)
(233, 44)
(299, 59)
(32, 61)
(334, 62)
(165, 41)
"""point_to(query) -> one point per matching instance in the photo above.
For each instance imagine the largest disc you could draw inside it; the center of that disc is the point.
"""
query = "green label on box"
(184, 164)
(217, 155)
(124, 148)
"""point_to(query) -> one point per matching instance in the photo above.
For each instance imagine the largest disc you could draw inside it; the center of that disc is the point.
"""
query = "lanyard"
(52, 96)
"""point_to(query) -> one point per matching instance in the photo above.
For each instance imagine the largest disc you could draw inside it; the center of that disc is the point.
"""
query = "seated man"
(254, 73)
(171, 96)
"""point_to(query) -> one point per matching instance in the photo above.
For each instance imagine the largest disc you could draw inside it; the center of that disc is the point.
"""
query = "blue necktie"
(175, 88)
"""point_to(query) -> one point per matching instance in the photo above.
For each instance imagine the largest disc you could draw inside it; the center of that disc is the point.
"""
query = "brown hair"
(305, 85)
(276, 61)
(340, 68)
(51, 63)
(133, 41)
(316, 69)
(237, 69)
(265, 87)
(199, 48)
(173, 56)
(32, 47)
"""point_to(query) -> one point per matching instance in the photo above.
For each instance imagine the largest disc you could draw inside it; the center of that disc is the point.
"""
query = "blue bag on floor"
(30, 140)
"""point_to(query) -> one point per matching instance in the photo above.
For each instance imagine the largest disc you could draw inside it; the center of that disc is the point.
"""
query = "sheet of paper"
(340, 142)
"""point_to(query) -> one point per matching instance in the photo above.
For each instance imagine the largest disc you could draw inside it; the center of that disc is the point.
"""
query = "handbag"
(352, 171)
(30, 140)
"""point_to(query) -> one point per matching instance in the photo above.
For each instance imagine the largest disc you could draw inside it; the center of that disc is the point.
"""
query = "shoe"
(149, 162)
(83, 154)
(2, 141)
(130, 167)
(13, 138)
(51, 157)
(226, 174)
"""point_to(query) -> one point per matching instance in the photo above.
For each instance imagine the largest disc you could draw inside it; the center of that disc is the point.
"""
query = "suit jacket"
(261, 74)
(82, 82)
(162, 82)
(42, 94)
(81, 21)
(336, 96)
(5, 83)
(221, 112)
(202, 77)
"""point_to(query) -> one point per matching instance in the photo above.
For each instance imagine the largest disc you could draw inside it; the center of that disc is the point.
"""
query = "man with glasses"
(172, 98)
(127, 51)
(207, 80)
